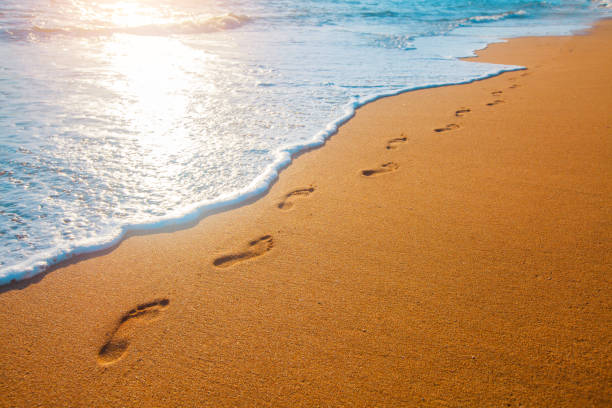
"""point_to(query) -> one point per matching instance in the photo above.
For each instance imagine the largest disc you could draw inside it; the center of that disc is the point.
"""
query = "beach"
(447, 247)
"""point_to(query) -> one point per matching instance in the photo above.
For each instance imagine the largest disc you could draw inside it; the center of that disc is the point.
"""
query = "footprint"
(461, 111)
(255, 248)
(514, 86)
(525, 74)
(384, 168)
(287, 202)
(450, 126)
(497, 93)
(392, 144)
(495, 102)
(119, 341)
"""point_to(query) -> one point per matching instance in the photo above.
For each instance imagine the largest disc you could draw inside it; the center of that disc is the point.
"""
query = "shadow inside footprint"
(384, 168)
(287, 202)
(461, 111)
(255, 248)
(514, 86)
(495, 102)
(392, 144)
(497, 93)
(117, 346)
(450, 126)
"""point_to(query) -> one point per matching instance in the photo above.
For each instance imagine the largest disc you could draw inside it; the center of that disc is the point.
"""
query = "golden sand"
(448, 247)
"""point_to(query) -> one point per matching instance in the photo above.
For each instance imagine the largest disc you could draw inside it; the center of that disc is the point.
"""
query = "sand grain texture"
(476, 273)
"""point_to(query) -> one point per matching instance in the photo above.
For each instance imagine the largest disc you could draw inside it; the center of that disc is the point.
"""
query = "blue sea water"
(135, 114)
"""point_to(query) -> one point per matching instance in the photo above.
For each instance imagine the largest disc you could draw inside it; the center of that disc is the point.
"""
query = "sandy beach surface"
(449, 247)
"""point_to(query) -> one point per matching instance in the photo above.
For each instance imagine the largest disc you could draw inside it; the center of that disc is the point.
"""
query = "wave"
(494, 17)
(603, 3)
(186, 26)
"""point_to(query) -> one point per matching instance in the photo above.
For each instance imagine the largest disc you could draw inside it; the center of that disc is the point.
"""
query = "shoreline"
(418, 259)
(194, 214)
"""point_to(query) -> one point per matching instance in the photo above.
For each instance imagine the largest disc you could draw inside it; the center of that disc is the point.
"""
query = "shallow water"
(117, 115)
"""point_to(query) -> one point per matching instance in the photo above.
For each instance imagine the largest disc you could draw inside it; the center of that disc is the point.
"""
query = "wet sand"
(448, 247)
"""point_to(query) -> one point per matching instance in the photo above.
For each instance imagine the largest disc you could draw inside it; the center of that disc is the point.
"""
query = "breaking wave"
(186, 26)
(495, 17)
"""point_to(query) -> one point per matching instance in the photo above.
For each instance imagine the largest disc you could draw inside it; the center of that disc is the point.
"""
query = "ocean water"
(136, 114)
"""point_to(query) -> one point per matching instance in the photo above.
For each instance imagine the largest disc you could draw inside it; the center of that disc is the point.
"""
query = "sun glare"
(152, 75)
(155, 74)
(130, 14)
